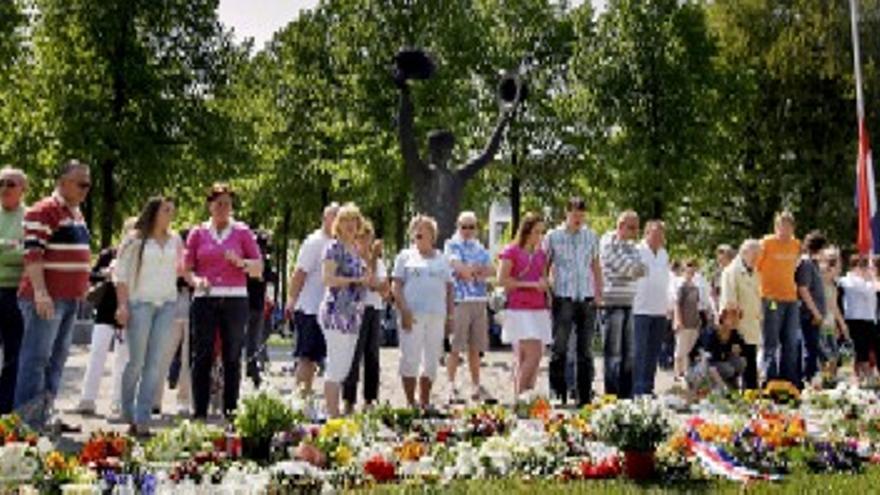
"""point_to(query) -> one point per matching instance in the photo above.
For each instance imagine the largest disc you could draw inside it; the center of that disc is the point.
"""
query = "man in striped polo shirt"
(56, 279)
(621, 267)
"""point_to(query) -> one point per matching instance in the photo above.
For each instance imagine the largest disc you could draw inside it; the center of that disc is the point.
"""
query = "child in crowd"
(718, 356)
(833, 326)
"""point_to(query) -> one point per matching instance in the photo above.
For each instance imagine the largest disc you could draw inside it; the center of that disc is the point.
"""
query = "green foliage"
(712, 115)
(264, 414)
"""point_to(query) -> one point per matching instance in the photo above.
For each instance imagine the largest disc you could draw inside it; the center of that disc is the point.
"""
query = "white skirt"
(526, 324)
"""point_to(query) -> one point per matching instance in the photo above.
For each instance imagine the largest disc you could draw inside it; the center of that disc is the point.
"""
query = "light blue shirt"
(424, 280)
(572, 256)
(470, 253)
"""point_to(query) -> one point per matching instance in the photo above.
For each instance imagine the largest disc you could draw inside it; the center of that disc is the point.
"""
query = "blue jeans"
(44, 348)
(148, 333)
(810, 334)
(648, 336)
(618, 350)
(782, 336)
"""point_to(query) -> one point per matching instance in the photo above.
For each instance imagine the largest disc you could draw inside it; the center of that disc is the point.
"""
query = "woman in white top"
(146, 286)
(859, 311)
(422, 285)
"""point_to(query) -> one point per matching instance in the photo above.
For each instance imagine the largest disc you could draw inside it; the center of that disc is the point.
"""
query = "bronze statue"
(437, 186)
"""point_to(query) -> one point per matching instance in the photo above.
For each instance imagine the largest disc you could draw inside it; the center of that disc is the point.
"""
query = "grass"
(854, 484)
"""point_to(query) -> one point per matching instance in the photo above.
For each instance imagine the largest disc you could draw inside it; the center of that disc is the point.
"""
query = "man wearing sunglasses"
(13, 183)
(56, 278)
(472, 266)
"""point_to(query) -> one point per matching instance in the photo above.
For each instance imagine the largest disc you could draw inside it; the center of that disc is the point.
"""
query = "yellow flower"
(55, 461)
(339, 427)
(342, 456)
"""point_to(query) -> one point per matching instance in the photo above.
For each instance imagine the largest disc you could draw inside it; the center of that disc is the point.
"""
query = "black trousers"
(11, 330)
(569, 314)
(369, 339)
(229, 315)
(254, 345)
(750, 374)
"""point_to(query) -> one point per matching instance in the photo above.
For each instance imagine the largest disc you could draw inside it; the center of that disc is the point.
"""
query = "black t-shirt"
(105, 311)
(717, 349)
(809, 276)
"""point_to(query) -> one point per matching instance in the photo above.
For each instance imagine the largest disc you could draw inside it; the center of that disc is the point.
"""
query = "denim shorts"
(310, 343)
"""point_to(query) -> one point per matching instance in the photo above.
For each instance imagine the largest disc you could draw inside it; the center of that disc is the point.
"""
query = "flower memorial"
(767, 435)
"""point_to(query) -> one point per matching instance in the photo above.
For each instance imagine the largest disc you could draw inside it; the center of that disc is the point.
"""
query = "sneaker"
(455, 396)
(480, 394)
(85, 407)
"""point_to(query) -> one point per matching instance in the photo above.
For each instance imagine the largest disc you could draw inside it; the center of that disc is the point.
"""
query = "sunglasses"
(419, 237)
(468, 227)
(84, 185)
(10, 183)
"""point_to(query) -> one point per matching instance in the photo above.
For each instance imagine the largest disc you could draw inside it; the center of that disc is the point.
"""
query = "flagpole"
(857, 60)
(866, 199)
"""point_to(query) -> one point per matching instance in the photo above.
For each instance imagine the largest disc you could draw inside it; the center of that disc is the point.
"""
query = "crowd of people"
(776, 308)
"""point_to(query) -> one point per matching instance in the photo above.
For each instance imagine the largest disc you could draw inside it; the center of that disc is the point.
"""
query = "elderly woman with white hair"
(740, 292)
(423, 292)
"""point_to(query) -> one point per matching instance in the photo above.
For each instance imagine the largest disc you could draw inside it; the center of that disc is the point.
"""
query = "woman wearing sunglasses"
(13, 184)
(423, 291)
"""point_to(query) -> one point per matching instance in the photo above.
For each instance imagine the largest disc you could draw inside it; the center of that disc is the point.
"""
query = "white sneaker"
(455, 396)
(480, 394)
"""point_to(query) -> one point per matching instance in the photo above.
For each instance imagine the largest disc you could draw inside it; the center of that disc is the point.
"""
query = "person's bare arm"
(42, 299)
(807, 298)
(406, 317)
(297, 281)
(598, 281)
(332, 280)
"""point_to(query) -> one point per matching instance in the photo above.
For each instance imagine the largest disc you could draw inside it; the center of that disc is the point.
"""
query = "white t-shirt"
(652, 290)
(859, 298)
(309, 261)
(373, 299)
(424, 280)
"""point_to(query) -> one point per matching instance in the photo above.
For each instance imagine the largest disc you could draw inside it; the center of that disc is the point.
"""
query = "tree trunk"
(282, 255)
(108, 199)
(400, 221)
(515, 202)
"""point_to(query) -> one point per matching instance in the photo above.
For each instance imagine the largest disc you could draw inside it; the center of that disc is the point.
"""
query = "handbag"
(97, 293)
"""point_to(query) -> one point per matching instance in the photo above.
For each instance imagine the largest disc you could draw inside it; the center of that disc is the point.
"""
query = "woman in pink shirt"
(220, 255)
(523, 274)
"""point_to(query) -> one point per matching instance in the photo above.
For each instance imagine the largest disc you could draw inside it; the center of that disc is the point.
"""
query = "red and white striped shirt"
(56, 236)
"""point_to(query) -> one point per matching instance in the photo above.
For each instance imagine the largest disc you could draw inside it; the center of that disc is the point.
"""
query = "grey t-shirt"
(688, 300)
(809, 276)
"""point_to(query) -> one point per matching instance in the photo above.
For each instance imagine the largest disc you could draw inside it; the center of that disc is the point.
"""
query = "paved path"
(497, 378)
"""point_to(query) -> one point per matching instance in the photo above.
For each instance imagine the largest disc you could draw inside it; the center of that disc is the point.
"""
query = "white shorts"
(422, 347)
(340, 354)
(527, 324)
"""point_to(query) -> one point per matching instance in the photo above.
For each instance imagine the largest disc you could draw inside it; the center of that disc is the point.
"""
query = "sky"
(259, 19)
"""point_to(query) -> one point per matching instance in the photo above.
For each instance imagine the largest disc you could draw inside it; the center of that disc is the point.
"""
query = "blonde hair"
(349, 211)
(366, 228)
(784, 216)
(425, 220)
(626, 216)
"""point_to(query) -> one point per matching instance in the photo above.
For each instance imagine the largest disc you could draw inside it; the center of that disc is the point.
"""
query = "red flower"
(380, 469)
(443, 435)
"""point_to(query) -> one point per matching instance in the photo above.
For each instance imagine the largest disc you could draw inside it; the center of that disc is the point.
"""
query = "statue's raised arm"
(406, 132)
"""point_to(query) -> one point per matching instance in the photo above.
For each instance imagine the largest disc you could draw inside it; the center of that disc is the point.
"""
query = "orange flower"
(410, 451)
(55, 461)
(540, 409)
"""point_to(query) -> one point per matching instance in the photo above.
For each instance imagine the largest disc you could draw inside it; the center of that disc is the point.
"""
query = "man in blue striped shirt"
(573, 251)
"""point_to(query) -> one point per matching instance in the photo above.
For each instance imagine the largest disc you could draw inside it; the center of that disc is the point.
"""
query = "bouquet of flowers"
(637, 425)
(14, 430)
(106, 451)
(183, 441)
(261, 416)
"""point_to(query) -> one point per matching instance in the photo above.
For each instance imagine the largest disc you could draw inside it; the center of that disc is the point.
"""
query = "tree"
(127, 86)
(646, 84)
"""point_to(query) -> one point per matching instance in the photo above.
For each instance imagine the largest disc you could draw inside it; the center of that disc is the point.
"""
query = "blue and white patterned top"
(572, 255)
(470, 253)
(343, 307)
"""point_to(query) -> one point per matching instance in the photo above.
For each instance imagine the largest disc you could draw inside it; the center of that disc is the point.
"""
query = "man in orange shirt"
(776, 264)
